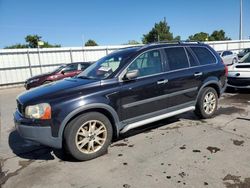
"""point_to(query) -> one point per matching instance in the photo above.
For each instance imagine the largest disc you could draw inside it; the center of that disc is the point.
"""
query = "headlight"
(34, 80)
(39, 111)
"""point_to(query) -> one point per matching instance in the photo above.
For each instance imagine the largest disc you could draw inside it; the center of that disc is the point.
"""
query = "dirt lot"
(182, 151)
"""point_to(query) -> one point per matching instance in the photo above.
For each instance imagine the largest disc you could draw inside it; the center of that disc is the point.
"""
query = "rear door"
(183, 77)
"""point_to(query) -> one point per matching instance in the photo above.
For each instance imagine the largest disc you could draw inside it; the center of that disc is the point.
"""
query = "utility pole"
(241, 26)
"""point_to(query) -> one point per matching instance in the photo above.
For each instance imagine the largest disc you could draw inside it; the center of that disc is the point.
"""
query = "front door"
(143, 95)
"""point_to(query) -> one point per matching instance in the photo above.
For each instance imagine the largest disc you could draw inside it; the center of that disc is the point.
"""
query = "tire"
(206, 111)
(82, 139)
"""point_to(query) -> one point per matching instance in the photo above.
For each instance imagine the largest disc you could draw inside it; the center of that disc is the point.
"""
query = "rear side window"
(71, 68)
(83, 66)
(193, 62)
(204, 56)
(176, 58)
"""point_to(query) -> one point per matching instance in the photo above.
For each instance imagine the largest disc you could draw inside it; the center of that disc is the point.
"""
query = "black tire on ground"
(200, 105)
(71, 136)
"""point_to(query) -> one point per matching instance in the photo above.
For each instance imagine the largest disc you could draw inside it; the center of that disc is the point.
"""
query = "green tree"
(15, 46)
(199, 37)
(91, 42)
(32, 42)
(218, 36)
(160, 32)
(132, 42)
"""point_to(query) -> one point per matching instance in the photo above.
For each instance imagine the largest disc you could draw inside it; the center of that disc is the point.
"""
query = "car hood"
(242, 67)
(55, 90)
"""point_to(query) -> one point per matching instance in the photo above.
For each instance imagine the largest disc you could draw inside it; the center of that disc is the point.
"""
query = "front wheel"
(88, 136)
(207, 103)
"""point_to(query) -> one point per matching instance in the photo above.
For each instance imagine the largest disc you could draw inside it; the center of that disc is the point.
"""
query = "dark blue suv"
(126, 89)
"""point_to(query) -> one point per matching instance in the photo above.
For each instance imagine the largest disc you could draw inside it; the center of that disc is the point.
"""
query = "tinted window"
(148, 63)
(70, 68)
(191, 59)
(84, 66)
(225, 54)
(176, 58)
(204, 56)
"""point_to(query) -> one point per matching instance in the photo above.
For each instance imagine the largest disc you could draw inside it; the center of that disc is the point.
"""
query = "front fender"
(89, 107)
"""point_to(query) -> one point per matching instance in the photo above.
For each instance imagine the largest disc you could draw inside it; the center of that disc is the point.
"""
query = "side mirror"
(62, 72)
(131, 75)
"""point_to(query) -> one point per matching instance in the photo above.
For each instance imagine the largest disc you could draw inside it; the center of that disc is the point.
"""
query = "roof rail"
(175, 42)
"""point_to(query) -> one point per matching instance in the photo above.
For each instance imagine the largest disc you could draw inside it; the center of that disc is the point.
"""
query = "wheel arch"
(211, 83)
(104, 109)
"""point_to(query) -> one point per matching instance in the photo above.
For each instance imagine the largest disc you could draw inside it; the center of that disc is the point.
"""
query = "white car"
(239, 73)
(228, 57)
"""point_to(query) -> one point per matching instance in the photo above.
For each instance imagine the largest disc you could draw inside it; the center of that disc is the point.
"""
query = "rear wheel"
(207, 103)
(88, 136)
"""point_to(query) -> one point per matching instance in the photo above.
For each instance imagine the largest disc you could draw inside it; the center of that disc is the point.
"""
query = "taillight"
(226, 69)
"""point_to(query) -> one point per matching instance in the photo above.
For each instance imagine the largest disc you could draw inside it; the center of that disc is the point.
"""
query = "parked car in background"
(126, 89)
(243, 52)
(63, 71)
(239, 73)
(228, 57)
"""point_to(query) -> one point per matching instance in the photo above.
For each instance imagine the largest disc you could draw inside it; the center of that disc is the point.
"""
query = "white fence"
(16, 65)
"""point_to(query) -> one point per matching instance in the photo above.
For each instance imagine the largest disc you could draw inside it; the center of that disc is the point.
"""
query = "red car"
(64, 71)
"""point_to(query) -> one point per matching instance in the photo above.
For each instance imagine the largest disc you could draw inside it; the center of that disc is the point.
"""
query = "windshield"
(57, 69)
(245, 58)
(106, 66)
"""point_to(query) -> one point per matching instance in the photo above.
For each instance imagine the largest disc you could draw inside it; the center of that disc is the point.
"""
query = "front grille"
(243, 66)
(20, 108)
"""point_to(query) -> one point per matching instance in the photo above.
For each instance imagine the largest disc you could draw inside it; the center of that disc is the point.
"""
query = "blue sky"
(114, 22)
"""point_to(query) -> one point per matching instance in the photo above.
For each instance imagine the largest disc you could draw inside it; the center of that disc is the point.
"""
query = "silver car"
(228, 57)
(239, 73)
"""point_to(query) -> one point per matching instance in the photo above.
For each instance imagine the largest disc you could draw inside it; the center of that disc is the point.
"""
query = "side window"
(230, 53)
(193, 62)
(148, 63)
(204, 56)
(176, 58)
(112, 63)
(83, 66)
(70, 68)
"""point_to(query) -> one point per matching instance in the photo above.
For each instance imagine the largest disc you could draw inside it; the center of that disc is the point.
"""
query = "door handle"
(162, 82)
(198, 74)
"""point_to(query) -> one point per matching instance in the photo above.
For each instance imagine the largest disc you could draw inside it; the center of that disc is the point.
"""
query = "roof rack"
(175, 42)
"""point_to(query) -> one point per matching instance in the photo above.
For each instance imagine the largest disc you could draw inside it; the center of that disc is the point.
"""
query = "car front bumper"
(238, 82)
(36, 133)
